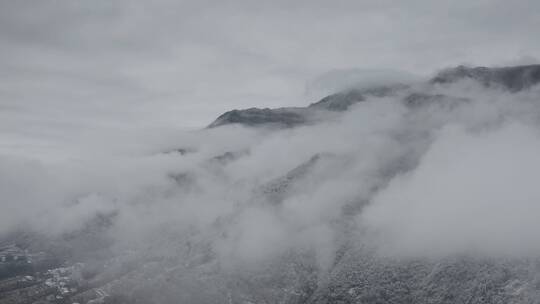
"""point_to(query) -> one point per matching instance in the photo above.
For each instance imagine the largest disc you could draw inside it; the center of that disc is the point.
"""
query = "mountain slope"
(278, 219)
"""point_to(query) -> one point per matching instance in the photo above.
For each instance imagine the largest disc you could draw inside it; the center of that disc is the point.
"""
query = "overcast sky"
(80, 65)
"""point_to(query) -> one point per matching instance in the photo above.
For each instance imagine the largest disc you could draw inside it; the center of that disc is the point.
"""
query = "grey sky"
(179, 64)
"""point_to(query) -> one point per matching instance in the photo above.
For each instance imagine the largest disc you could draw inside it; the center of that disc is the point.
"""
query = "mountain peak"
(514, 78)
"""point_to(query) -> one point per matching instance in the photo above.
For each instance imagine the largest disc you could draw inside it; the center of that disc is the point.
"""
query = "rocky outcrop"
(514, 78)
(282, 117)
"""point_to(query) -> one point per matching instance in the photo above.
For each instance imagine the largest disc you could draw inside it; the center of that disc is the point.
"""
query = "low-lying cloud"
(454, 176)
(473, 192)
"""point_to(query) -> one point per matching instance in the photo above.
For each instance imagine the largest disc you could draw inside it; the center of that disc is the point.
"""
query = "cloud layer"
(452, 176)
(95, 98)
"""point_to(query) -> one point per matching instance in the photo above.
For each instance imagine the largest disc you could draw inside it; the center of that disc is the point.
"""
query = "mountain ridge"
(512, 78)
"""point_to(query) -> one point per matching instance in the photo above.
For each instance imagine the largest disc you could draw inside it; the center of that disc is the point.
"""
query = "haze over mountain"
(261, 152)
(418, 192)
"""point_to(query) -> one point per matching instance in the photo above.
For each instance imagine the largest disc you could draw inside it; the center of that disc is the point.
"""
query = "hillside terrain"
(296, 231)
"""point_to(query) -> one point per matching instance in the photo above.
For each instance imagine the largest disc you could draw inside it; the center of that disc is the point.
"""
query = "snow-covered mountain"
(396, 193)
